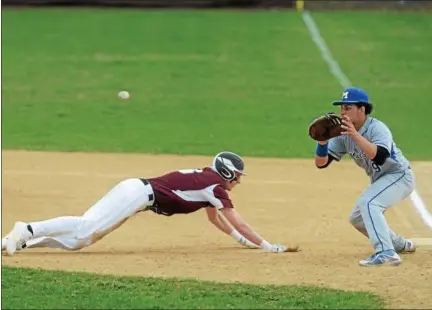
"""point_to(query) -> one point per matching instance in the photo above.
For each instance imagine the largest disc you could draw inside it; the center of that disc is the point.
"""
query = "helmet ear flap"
(226, 173)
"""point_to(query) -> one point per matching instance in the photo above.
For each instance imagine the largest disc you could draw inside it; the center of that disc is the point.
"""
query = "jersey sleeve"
(336, 148)
(380, 135)
(221, 198)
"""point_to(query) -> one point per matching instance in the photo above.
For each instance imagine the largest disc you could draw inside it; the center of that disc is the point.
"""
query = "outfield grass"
(23, 288)
(200, 82)
(204, 81)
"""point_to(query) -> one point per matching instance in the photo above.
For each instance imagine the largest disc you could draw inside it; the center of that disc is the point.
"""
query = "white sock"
(56, 226)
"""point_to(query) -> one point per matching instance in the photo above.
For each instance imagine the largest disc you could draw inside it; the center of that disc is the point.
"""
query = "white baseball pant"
(76, 232)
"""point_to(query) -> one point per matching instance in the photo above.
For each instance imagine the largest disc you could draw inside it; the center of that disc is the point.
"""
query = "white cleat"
(383, 258)
(4, 242)
(17, 238)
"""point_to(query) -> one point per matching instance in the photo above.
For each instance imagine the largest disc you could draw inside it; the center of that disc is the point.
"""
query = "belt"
(151, 197)
(154, 206)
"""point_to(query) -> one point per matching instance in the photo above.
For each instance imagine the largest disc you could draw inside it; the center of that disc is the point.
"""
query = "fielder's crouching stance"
(370, 144)
(178, 192)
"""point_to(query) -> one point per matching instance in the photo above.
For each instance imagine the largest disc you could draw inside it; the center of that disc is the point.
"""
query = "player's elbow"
(321, 166)
(381, 156)
(323, 162)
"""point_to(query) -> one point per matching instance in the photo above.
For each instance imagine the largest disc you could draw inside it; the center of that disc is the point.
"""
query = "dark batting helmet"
(226, 164)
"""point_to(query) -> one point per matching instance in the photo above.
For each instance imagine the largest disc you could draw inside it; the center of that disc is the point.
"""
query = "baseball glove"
(325, 127)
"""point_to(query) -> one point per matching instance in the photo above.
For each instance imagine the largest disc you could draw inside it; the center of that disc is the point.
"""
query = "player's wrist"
(321, 150)
(356, 136)
(236, 235)
(242, 239)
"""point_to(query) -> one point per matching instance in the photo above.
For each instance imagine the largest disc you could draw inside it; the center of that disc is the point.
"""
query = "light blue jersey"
(378, 133)
(391, 182)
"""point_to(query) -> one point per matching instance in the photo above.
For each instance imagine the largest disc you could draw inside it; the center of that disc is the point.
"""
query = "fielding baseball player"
(178, 192)
(370, 144)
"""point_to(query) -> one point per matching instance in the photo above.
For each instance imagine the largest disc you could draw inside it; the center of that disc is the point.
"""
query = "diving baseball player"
(370, 144)
(178, 192)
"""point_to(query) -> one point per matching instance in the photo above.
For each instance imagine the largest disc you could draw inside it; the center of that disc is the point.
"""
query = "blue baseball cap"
(353, 95)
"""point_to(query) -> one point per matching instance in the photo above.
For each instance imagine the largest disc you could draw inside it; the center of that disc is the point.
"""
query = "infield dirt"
(285, 200)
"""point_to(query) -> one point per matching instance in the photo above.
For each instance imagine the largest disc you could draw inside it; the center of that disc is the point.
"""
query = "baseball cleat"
(4, 242)
(410, 247)
(383, 258)
(17, 238)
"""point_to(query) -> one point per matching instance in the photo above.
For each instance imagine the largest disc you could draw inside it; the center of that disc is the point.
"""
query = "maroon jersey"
(189, 190)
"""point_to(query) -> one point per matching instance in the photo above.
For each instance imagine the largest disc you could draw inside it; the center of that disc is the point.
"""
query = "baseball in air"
(123, 95)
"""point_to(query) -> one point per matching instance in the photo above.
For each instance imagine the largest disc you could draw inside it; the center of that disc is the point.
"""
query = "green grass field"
(63, 290)
(200, 82)
(205, 81)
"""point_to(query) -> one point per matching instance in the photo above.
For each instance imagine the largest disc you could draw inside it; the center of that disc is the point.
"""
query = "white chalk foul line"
(325, 52)
(421, 208)
(423, 241)
(345, 82)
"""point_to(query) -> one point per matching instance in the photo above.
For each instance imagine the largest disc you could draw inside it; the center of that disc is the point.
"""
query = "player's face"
(229, 185)
(355, 114)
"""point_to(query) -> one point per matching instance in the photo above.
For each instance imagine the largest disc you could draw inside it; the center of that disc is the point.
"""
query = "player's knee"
(358, 224)
(356, 219)
(79, 242)
(76, 246)
(83, 234)
(353, 219)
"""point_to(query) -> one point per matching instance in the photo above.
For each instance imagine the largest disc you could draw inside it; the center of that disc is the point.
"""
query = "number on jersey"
(376, 167)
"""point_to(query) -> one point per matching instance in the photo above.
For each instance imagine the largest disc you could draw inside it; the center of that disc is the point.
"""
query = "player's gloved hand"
(280, 248)
(243, 240)
(333, 118)
(325, 127)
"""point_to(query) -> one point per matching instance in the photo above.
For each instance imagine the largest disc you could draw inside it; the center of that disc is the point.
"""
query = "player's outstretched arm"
(217, 219)
(243, 228)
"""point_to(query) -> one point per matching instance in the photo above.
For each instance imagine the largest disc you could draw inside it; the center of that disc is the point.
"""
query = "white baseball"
(123, 95)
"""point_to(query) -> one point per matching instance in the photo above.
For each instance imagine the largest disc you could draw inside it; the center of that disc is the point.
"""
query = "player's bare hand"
(279, 248)
(348, 126)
